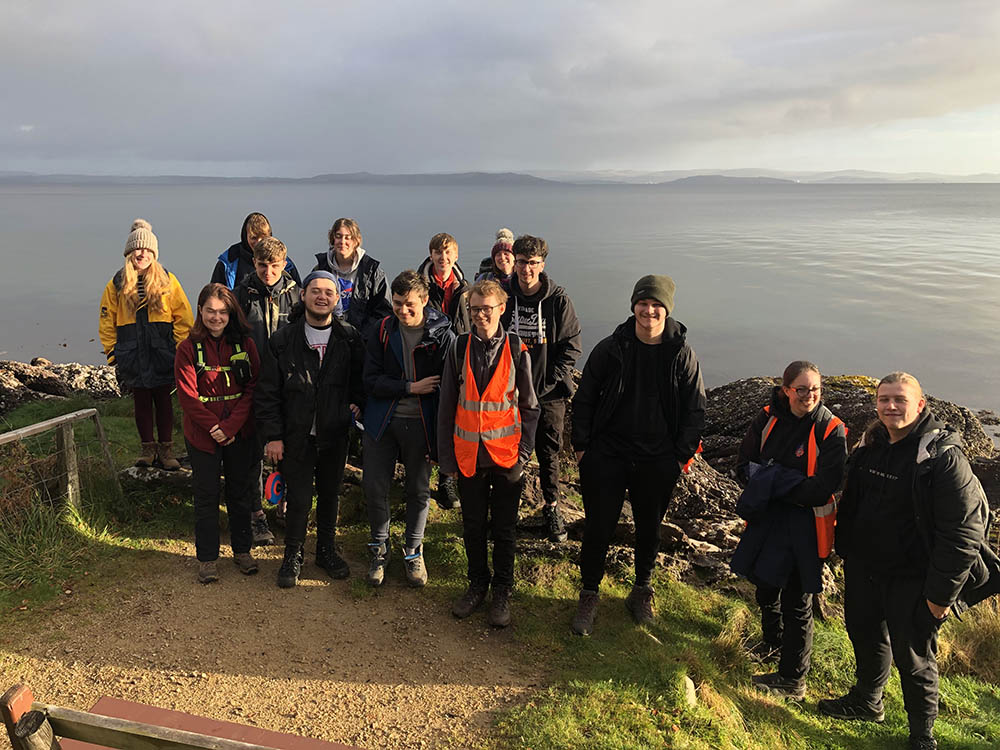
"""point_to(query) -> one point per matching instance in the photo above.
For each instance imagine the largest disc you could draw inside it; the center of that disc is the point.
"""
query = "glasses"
(802, 391)
(483, 309)
(521, 263)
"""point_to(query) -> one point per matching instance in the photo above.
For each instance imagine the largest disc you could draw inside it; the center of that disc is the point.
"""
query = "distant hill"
(719, 179)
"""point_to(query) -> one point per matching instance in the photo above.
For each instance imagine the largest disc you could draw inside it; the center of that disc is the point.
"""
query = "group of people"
(476, 376)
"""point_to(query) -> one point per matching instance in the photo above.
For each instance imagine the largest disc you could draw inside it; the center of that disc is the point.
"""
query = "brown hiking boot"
(640, 603)
(147, 456)
(499, 614)
(245, 562)
(165, 453)
(586, 612)
(208, 572)
(469, 602)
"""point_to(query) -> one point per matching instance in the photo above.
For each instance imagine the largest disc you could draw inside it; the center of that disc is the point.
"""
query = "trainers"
(640, 603)
(328, 559)
(416, 571)
(469, 602)
(923, 743)
(765, 652)
(262, 535)
(586, 612)
(499, 613)
(554, 523)
(775, 684)
(245, 562)
(291, 566)
(379, 552)
(447, 495)
(849, 707)
(208, 572)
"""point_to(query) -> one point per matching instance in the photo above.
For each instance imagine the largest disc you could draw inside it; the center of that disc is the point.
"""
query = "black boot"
(291, 566)
(328, 559)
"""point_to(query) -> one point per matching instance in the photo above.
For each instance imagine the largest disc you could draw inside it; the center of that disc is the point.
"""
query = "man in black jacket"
(542, 315)
(909, 529)
(637, 422)
(236, 263)
(308, 395)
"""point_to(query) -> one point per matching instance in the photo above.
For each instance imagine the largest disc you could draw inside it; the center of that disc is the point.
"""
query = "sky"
(299, 88)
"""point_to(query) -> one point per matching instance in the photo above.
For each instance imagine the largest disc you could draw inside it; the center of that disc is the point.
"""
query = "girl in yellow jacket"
(144, 315)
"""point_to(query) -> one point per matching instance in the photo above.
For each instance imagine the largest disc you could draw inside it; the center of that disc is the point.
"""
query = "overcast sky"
(302, 88)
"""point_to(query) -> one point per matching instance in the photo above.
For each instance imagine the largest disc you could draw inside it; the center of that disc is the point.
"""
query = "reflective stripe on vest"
(492, 418)
(825, 515)
(200, 366)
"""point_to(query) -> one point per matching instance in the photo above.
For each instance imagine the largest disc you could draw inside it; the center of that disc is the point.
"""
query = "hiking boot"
(380, 561)
(554, 523)
(850, 707)
(262, 535)
(291, 566)
(328, 559)
(165, 454)
(469, 602)
(765, 652)
(413, 561)
(639, 603)
(499, 613)
(245, 562)
(923, 743)
(586, 613)
(447, 495)
(208, 572)
(775, 684)
(147, 456)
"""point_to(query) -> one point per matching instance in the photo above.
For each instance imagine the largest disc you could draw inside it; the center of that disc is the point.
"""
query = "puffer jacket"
(141, 343)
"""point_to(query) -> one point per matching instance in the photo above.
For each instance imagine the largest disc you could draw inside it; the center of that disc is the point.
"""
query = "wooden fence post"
(35, 732)
(106, 450)
(69, 469)
(13, 705)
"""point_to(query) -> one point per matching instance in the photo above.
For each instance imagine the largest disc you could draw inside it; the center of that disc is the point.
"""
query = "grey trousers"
(406, 439)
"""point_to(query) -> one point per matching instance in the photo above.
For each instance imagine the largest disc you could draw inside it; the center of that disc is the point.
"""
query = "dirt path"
(391, 670)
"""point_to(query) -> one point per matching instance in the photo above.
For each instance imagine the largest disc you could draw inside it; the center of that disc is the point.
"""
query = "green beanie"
(660, 288)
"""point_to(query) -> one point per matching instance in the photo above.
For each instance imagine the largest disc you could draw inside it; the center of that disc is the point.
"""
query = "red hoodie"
(233, 417)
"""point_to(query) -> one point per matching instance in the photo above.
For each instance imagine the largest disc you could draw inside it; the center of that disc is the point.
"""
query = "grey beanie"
(318, 274)
(141, 235)
(660, 288)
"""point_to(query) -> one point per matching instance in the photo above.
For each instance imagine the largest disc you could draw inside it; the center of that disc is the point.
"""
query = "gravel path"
(392, 670)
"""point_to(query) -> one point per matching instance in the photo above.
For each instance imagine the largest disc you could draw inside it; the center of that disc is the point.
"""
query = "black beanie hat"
(660, 288)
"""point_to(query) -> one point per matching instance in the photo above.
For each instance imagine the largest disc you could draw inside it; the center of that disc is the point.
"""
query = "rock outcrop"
(20, 382)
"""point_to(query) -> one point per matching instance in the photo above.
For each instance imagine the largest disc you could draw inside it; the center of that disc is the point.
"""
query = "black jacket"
(236, 263)
(267, 310)
(293, 389)
(682, 394)
(385, 378)
(457, 311)
(370, 297)
(913, 508)
(547, 323)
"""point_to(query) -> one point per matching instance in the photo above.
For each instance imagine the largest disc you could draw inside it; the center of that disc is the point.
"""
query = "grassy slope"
(620, 688)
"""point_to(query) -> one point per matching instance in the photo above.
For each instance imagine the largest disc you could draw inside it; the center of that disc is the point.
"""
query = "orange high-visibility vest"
(491, 418)
(826, 515)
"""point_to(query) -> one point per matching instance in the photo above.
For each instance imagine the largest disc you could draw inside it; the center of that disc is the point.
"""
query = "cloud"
(26, 128)
(439, 85)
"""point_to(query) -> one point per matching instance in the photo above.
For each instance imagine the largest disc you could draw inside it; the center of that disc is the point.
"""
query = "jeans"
(406, 439)
(206, 471)
(604, 480)
(299, 469)
(493, 493)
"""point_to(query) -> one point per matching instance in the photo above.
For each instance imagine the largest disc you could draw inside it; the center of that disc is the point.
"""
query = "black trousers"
(604, 480)
(299, 469)
(490, 493)
(548, 443)
(206, 472)
(888, 620)
(786, 619)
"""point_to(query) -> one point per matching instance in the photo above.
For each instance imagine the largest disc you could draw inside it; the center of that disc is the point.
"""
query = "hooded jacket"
(385, 377)
(141, 343)
(294, 391)
(682, 393)
(547, 323)
(912, 509)
(369, 300)
(457, 312)
(267, 310)
(237, 262)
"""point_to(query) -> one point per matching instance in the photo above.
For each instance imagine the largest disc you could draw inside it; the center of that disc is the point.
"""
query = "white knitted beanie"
(142, 236)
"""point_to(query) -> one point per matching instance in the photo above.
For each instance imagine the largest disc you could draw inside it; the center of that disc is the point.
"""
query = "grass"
(621, 688)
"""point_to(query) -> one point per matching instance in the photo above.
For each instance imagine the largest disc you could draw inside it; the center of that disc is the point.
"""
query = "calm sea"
(858, 278)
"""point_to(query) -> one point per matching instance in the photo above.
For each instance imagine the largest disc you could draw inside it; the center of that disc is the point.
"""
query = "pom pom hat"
(505, 241)
(142, 236)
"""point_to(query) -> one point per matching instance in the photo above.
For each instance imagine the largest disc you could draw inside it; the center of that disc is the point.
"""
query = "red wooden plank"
(14, 704)
(163, 717)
